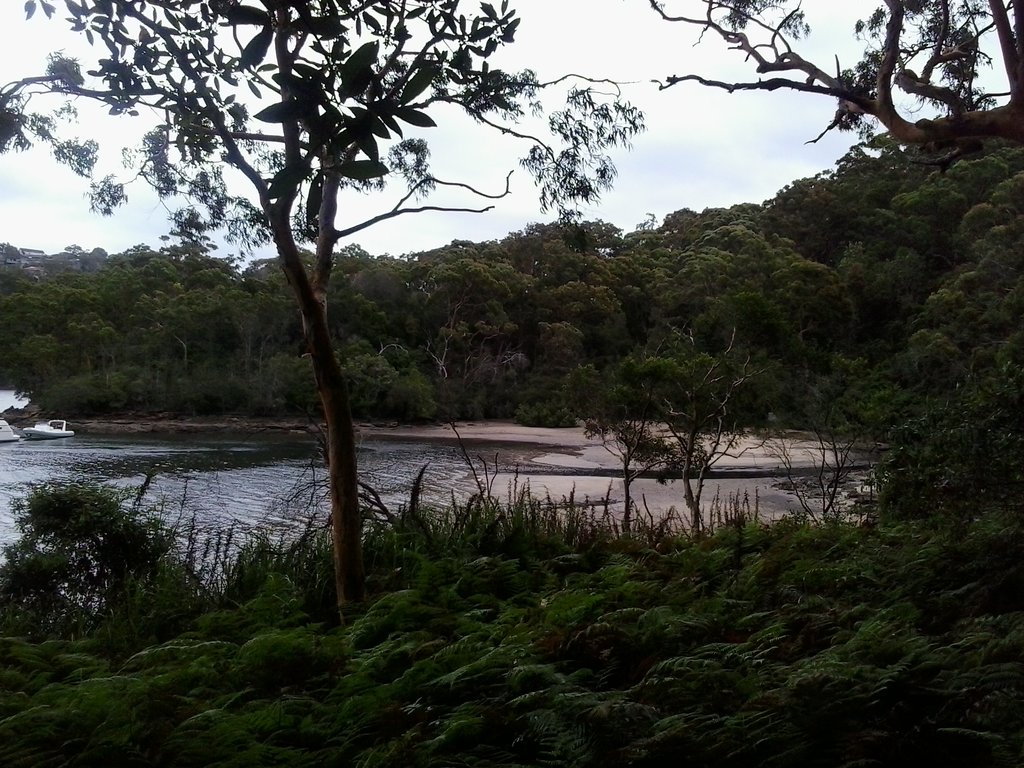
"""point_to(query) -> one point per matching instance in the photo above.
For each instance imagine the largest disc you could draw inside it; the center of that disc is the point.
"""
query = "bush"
(960, 457)
(80, 549)
(207, 392)
(87, 393)
(546, 415)
(549, 402)
(411, 397)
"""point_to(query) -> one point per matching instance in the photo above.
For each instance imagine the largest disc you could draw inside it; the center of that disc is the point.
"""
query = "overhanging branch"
(942, 40)
(402, 211)
(772, 84)
(398, 210)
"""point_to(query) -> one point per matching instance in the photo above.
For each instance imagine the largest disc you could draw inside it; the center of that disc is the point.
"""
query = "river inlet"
(219, 478)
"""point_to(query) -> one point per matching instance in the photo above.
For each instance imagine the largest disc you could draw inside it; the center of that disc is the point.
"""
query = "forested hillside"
(879, 302)
(881, 298)
(894, 275)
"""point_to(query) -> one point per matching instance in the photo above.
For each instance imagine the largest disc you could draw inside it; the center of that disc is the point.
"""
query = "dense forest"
(878, 302)
(879, 299)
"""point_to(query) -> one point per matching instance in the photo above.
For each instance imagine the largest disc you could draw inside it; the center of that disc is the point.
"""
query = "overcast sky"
(702, 148)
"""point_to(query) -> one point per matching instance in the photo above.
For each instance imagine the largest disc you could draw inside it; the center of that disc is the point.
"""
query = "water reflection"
(220, 479)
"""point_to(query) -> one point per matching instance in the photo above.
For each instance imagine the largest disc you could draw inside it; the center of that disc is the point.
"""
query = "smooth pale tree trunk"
(627, 513)
(332, 389)
(692, 477)
(342, 470)
(628, 476)
(693, 502)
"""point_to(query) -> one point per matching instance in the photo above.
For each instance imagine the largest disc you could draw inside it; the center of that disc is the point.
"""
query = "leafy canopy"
(305, 98)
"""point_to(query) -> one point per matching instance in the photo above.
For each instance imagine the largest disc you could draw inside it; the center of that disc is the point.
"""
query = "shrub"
(411, 397)
(80, 548)
(961, 457)
(549, 414)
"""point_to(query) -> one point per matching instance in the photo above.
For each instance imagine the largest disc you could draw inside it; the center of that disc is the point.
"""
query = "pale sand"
(522, 454)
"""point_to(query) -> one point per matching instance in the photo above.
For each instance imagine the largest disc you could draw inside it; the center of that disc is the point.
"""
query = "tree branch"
(945, 37)
(399, 211)
(939, 45)
(772, 84)
(885, 109)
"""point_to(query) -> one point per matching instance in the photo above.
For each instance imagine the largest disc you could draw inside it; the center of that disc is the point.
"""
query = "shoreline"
(491, 431)
(559, 463)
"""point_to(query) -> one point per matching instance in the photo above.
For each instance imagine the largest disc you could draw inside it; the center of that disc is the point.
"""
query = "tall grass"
(521, 631)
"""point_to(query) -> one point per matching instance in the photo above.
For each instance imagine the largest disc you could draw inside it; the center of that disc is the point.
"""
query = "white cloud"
(702, 148)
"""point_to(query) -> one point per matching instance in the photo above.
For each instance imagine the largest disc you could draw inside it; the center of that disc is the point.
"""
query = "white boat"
(7, 435)
(48, 430)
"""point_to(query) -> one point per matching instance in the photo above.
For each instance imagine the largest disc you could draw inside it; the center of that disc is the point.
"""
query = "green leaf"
(364, 56)
(371, 21)
(480, 34)
(377, 126)
(510, 32)
(418, 83)
(245, 14)
(326, 27)
(366, 143)
(257, 48)
(357, 72)
(282, 111)
(415, 117)
(359, 130)
(363, 170)
(286, 180)
(389, 120)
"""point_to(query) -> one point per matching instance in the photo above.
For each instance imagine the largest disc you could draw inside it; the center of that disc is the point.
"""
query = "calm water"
(219, 479)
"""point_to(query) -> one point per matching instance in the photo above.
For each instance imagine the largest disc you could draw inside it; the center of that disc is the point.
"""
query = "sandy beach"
(559, 463)
(563, 462)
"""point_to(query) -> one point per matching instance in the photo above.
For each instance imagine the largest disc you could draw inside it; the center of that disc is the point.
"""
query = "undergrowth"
(528, 633)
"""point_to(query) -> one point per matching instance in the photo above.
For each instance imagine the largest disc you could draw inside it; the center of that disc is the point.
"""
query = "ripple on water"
(219, 481)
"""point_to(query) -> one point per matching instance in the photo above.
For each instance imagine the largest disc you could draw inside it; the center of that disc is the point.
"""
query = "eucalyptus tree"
(922, 75)
(622, 409)
(296, 101)
(471, 301)
(706, 402)
(676, 410)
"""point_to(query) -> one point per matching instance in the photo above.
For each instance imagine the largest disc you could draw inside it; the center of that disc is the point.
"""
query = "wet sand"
(563, 463)
(559, 463)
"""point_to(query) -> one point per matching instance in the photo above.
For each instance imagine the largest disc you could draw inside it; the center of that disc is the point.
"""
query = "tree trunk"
(627, 514)
(342, 470)
(692, 500)
(343, 479)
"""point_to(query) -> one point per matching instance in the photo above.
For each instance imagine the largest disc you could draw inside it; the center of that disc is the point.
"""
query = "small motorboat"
(8, 435)
(48, 430)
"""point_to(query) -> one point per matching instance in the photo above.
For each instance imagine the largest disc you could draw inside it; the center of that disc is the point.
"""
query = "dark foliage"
(526, 633)
(81, 549)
